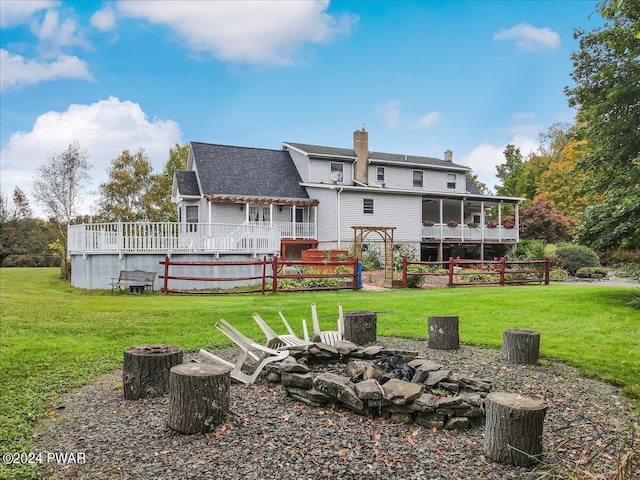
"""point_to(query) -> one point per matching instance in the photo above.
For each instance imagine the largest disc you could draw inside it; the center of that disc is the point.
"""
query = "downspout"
(338, 220)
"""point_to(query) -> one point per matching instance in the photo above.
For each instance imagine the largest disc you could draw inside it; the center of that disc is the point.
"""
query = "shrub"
(529, 250)
(575, 257)
(558, 274)
(403, 250)
(371, 258)
(628, 270)
(614, 257)
(591, 272)
(416, 281)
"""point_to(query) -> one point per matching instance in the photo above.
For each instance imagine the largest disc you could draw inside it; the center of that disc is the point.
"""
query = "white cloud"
(16, 12)
(484, 158)
(104, 129)
(390, 113)
(18, 71)
(426, 121)
(252, 32)
(104, 20)
(529, 38)
(54, 34)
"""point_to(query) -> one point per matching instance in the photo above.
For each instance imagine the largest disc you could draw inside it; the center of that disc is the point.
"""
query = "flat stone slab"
(338, 387)
(368, 390)
(400, 392)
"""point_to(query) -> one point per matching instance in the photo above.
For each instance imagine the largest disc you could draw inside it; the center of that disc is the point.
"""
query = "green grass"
(54, 337)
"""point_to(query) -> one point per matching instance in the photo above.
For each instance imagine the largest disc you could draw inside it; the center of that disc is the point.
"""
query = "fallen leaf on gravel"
(328, 422)
(440, 452)
(377, 435)
(410, 440)
(202, 462)
(434, 430)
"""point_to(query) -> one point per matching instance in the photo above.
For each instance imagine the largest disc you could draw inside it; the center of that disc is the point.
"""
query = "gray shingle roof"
(229, 170)
(387, 157)
(187, 182)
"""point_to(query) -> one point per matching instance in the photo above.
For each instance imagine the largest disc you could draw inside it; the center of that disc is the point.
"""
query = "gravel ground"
(588, 427)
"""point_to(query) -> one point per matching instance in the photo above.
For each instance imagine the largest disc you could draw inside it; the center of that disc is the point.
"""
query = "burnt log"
(513, 430)
(199, 397)
(360, 327)
(520, 346)
(443, 333)
(145, 371)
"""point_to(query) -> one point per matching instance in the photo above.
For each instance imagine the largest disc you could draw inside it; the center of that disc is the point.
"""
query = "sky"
(421, 76)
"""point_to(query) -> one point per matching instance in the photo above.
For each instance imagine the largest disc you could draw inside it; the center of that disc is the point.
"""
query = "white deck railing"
(167, 237)
(291, 230)
(464, 232)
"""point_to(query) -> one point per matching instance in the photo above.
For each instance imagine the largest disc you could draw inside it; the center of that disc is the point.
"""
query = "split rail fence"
(274, 274)
(459, 271)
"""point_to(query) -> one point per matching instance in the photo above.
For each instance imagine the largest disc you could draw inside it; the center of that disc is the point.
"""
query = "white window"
(451, 181)
(337, 171)
(380, 174)
(191, 217)
(418, 178)
(367, 205)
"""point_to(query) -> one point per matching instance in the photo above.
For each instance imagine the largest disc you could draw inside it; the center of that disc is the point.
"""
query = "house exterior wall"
(434, 180)
(302, 164)
(319, 170)
(226, 213)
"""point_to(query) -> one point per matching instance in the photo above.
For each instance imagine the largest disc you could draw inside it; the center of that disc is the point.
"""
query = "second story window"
(367, 205)
(337, 171)
(451, 181)
(380, 174)
(418, 178)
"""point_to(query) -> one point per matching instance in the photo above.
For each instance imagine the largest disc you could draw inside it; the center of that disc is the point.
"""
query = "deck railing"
(291, 230)
(464, 232)
(168, 237)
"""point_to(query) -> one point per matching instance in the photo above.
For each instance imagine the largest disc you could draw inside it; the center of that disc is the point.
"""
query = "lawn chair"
(290, 340)
(330, 337)
(260, 354)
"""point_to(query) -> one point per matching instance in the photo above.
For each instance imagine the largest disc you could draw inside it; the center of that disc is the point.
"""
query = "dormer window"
(418, 178)
(451, 181)
(380, 174)
(337, 171)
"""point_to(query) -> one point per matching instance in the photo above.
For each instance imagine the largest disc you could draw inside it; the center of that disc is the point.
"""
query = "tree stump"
(199, 397)
(443, 333)
(360, 327)
(145, 371)
(520, 346)
(513, 430)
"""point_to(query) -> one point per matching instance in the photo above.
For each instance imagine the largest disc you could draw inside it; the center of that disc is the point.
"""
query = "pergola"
(359, 235)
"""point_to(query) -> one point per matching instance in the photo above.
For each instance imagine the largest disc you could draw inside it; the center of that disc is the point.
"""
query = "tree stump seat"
(145, 371)
(443, 333)
(520, 346)
(360, 327)
(199, 397)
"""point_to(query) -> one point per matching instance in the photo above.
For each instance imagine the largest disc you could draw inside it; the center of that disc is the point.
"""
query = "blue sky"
(422, 76)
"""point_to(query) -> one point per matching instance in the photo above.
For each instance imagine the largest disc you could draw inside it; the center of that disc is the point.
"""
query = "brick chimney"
(361, 147)
(448, 156)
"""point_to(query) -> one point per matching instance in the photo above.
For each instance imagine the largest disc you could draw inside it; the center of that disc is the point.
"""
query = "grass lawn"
(54, 337)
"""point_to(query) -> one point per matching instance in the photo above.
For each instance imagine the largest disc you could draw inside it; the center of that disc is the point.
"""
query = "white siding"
(227, 213)
(319, 171)
(327, 213)
(302, 164)
(402, 178)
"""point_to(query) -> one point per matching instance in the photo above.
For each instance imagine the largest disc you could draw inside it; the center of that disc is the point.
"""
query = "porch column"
(315, 220)
(517, 219)
(482, 221)
(441, 222)
(462, 218)
(246, 213)
(500, 221)
(271, 214)
(293, 221)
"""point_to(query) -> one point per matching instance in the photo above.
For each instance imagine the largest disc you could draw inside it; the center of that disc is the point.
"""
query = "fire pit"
(389, 383)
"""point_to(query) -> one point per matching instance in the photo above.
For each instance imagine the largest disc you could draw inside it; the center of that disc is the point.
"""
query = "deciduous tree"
(544, 222)
(58, 186)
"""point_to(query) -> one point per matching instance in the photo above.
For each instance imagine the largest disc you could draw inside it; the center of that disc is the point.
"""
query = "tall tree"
(607, 94)
(511, 172)
(58, 186)
(122, 197)
(158, 197)
(540, 220)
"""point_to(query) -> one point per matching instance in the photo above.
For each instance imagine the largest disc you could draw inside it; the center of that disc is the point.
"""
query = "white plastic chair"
(330, 337)
(260, 354)
(276, 341)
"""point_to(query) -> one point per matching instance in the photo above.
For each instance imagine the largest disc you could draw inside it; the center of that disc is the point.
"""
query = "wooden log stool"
(443, 333)
(199, 397)
(513, 429)
(360, 327)
(145, 371)
(520, 346)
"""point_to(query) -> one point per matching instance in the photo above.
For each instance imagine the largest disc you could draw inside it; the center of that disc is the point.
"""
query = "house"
(315, 195)
(239, 201)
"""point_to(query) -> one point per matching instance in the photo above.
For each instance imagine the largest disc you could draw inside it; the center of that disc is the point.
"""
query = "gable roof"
(187, 183)
(246, 171)
(374, 157)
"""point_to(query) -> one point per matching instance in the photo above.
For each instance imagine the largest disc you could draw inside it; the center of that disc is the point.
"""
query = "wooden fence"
(459, 271)
(275, 275)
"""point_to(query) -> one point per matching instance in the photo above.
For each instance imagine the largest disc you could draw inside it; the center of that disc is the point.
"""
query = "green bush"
(371, 257)
(575, 257)
(403, 250)
(627, 270)
(558, 274)
(591, 272)
(529, 250)
(416, 281)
